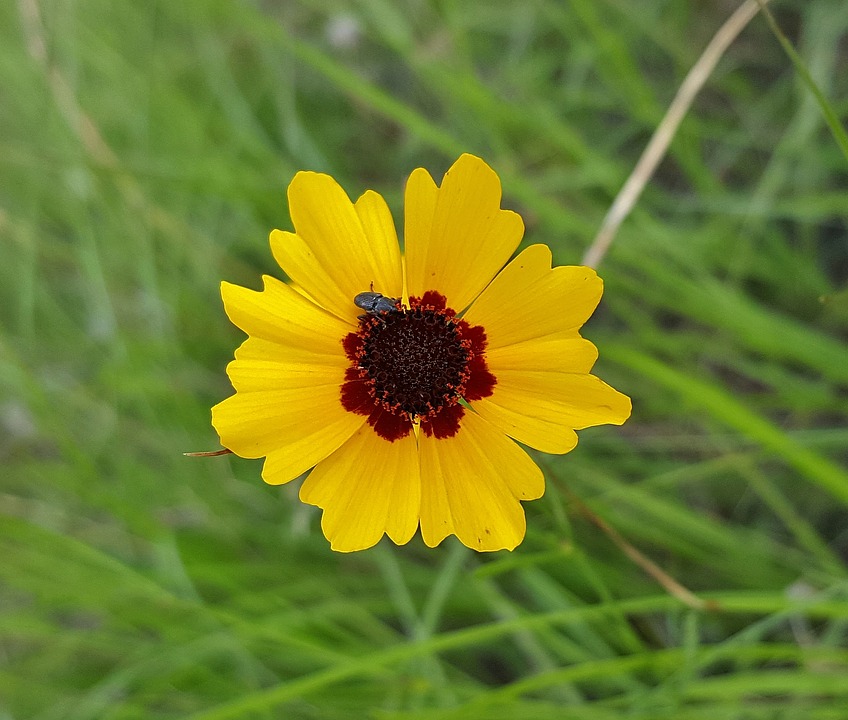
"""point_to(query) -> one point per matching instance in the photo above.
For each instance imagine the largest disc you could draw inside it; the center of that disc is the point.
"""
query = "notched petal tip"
(474, 484)
(305, 181)
(367, 488)
(457, 235)
(345, 545)
(472, 164)
(337, 248)
(621, 409)
(530, 300)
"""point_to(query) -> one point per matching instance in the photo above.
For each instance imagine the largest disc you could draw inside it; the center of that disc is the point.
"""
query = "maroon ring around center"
(415, 363)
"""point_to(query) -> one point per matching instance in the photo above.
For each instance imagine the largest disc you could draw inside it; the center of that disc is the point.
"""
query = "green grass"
(145, 149)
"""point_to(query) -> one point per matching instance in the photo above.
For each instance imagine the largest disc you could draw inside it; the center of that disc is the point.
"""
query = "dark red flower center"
(415, 364)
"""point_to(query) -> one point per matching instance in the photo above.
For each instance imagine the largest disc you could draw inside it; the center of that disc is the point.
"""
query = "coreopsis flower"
(404, 380)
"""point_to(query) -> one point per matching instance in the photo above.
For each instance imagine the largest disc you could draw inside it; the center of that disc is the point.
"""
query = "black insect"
(373, 303)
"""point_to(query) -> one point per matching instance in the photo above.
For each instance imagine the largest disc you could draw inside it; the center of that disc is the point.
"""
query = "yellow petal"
(544, 431)
(302, 424)
(382, 237)
(282, 315)
(456, 237)
(419, 208)
(529, 300)
(555, 352)
(471, 485)
(338, 250)
(541, 409)
(306, 450)
(264, 365)
(528, 426)
(368, 487)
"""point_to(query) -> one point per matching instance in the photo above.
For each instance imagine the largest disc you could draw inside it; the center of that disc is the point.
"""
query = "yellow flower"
(406, 405)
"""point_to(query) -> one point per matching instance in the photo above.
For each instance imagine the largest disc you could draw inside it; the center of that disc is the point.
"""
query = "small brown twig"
(671, 586)
(661, 139)
(209, 453)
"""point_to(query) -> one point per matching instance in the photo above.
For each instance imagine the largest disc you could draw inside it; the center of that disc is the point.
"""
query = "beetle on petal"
(374, 303)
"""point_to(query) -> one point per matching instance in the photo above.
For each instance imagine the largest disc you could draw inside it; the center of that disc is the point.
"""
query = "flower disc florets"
(414, 365)
(416, 359)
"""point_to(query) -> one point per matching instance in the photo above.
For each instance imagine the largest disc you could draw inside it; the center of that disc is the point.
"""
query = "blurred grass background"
(145, 149)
